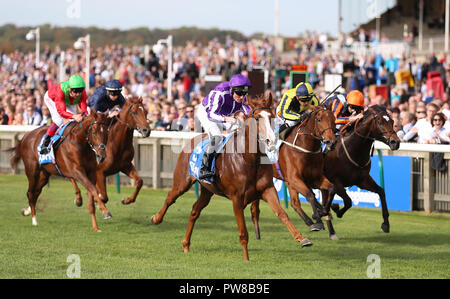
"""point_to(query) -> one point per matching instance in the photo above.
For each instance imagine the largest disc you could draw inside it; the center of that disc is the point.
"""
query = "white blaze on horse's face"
(266, 131)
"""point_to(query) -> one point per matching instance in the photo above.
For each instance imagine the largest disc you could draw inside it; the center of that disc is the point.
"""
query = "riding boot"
(45, 148)
(205, 171)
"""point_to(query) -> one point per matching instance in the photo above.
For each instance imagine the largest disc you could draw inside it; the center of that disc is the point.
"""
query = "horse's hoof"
(25, 212)
(152, 220)
(334, 237)
(78, 203)
(316, 227)
(305, 242)
(125, 201)
(385, 227)
(107, 215)
(335, 207)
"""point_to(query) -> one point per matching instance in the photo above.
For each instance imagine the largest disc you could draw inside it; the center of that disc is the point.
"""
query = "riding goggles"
(77, 90)
(114, 92)
(240, 91)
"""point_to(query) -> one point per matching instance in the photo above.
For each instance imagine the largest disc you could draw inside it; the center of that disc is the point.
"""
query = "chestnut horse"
(301, 163)
(120, 150)
(349, 164)
(82, 146)
(240, 177)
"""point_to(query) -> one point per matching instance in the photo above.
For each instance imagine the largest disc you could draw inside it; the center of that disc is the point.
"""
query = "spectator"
(3, 117)
(31, 116)
(423, 126)
(438, 134)
(46, 117)
(156, 121)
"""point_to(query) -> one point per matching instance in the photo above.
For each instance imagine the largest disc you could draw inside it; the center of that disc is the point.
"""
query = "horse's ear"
(270, 99)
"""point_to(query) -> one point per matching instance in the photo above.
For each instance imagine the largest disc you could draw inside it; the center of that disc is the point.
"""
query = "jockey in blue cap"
(217, 111)
(107, 97)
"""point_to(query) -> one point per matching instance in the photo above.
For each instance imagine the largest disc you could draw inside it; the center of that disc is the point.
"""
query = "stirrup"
(206, 174)
(44, 150)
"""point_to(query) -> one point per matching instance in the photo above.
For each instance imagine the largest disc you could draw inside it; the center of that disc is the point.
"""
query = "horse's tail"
(16, 157)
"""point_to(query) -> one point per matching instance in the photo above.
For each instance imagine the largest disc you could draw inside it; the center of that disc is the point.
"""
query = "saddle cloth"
(196, 158)
(50, 156)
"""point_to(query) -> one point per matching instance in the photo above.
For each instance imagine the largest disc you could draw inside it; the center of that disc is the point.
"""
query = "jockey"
(294, 103)
(62, 101)
(106, 97)
(217, 111)
(346, 109)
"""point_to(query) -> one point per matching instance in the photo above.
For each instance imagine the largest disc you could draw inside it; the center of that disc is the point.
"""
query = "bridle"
(132, 117)
(100, 146)
(372, 139)
(319, 136)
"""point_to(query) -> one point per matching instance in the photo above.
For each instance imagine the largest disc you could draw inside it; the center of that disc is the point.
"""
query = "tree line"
(12, 37)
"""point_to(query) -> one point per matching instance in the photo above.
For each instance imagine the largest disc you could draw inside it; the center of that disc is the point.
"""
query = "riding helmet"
(304, 90)
(239, 80)
(76, 81)
(113, 85)
(356, 98)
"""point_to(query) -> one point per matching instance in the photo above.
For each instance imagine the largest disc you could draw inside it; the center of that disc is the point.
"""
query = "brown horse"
(240, 176)
(301, 164)
(349, 164)
(82, 146)
(120, 150)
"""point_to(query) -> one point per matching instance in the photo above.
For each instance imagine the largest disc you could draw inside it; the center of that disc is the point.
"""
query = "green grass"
(130, 247)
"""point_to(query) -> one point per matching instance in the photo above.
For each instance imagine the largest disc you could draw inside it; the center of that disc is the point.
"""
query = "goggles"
(357, 108)
(240, 92)
(304, 99)
(77, 90)
(113, 92)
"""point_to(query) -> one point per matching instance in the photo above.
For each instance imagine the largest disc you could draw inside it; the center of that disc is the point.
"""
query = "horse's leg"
(255, 217)
(100, 184)
(91, 208)
(299, 186)
(176, 191)
(35, 184)
(372, 186)
(270, 196)
(132, 173)
(238, 209)
(88, 183)
(327, 190)
(340, 190)
(78, 199)
(202, 201)
(296, 205)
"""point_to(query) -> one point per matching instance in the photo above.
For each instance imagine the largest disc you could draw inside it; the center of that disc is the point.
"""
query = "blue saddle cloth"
(195, 160)
(50, 157)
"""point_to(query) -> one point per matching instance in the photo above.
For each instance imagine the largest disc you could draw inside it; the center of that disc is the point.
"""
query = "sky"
(246, 16)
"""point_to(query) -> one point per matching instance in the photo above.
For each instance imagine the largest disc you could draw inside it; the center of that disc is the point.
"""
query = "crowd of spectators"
(421, 114)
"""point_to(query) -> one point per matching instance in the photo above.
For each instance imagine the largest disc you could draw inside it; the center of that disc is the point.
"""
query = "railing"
(156, 157)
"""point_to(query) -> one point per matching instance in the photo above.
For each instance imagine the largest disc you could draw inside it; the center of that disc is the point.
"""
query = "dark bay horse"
(301, 164)
(120, 150)
(240, 177)
(82, 146)
(349, 164)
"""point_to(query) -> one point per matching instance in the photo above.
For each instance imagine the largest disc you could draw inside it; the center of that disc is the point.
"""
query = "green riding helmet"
(76, 82)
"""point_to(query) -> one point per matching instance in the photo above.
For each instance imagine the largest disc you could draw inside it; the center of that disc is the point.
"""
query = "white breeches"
(56, 118)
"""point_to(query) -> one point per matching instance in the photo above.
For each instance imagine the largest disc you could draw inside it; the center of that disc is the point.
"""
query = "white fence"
(156, 158)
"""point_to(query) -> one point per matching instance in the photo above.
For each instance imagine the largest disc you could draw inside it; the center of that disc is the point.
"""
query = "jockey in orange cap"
(346, 109)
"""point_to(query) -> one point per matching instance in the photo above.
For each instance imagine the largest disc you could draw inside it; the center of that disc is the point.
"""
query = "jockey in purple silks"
(217, 110)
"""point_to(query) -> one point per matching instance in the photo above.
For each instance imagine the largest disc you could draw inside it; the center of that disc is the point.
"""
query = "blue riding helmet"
(113, 85)
(304, 90)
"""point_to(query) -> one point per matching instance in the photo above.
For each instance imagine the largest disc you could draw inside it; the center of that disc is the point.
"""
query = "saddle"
(55, 141)
(196, 158)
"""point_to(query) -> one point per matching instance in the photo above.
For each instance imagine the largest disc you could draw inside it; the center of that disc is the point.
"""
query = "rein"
(320, 137)
(372, 139)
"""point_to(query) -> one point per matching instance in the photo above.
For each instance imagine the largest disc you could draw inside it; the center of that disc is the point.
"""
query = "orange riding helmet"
(356, 98)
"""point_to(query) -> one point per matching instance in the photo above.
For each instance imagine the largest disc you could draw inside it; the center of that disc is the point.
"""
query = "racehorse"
(82, 146)
(349, 164)
(120, 150)
(239, 176)
(301, 164)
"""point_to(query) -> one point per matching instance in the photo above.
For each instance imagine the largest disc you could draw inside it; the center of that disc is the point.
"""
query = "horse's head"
(134, 115)
(263, 113)
(324, 126)
(382, 128)
(96, 126)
